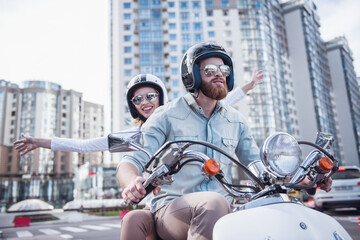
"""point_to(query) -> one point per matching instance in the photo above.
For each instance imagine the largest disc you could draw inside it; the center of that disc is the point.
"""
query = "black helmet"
(190, 72)
(144, 80)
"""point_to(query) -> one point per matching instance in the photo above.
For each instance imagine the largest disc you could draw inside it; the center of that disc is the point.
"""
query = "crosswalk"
(64, 232)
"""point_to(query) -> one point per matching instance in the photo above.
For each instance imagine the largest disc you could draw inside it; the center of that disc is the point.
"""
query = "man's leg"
(192, 216)
(138, 225)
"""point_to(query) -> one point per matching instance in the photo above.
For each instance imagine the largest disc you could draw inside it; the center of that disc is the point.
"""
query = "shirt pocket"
(228, 145)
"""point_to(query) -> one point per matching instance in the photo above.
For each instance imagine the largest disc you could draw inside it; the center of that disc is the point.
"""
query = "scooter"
(267, 210)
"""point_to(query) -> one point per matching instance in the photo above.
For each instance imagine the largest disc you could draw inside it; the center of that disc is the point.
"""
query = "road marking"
(112, 225)
(74, 229)
(49, 231)
(94, 227)
(22, 234)
(66, 236)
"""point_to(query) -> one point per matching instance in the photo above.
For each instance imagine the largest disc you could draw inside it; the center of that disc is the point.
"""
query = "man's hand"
(135, 191)
(325, 184)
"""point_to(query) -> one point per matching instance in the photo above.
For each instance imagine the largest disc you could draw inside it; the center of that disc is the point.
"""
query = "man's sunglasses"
(151, 97)
(211, 69)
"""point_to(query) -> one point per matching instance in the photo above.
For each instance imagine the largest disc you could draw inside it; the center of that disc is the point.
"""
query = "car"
(345, 190)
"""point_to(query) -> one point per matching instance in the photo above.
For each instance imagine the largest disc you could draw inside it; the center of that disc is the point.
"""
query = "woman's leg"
(191, 216)
(138, 225)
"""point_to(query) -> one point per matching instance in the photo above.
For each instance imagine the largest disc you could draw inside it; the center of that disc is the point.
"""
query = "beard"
(214, 92)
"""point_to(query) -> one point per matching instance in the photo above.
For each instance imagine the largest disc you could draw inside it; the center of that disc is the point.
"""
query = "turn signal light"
(211, 166)
(326, 164)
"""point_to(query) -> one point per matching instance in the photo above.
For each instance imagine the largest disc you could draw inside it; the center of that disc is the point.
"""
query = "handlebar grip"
(311, 191)
(148, 189)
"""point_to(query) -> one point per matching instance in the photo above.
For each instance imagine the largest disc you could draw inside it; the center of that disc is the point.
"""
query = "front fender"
(278, 221)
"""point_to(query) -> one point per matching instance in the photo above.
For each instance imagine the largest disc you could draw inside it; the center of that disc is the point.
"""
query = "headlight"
(281, 154)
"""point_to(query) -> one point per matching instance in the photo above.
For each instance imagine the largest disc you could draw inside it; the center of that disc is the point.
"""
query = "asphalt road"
(109, 228)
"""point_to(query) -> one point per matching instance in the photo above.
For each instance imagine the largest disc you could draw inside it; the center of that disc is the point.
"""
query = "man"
(191, 205)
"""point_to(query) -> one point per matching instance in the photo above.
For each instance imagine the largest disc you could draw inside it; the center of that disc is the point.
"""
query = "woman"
(145, 93)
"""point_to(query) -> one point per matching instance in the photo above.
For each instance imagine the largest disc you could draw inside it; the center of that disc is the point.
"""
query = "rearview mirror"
(126, 141)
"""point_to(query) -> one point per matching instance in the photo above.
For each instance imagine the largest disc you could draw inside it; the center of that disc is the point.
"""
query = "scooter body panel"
(280, 221)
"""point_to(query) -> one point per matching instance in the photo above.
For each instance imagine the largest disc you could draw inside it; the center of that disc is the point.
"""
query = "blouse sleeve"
(234, 96)
(79, 145)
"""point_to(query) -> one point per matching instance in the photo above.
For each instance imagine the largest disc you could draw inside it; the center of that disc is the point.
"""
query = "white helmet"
(144, 80)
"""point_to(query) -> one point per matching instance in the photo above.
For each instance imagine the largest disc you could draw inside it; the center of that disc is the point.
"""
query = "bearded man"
(191, 205)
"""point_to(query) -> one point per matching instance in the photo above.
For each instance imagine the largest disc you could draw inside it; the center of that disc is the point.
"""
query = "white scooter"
(267, 211)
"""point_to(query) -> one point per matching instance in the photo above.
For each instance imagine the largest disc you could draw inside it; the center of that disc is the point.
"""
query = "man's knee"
(138, 217)
(216, 201)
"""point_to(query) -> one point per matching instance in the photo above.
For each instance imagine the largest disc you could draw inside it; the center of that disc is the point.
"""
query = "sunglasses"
(151, 97)
(211, 69)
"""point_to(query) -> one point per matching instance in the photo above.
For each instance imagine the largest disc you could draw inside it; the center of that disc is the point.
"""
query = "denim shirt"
(184, 119)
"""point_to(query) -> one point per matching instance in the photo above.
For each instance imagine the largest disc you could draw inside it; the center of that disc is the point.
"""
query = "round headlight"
(281, 154)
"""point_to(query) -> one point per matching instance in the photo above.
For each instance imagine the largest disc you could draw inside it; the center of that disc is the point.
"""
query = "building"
(44, 109)
(347, 97)
(152, 36)
(310, 70)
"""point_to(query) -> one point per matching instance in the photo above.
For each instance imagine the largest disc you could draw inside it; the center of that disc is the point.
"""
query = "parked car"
(345, 190)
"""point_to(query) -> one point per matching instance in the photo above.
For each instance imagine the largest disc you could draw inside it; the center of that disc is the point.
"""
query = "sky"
(67, 41)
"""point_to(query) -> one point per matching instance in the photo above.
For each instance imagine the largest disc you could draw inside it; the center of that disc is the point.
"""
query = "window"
(127, 16)
(185, 26)
(198, 37)
(196, 5)
(184, 5)
(171, 15)
(185, 37)
(210, 23)
(171, 4)
(9, 159)
(172, 36)
(184, 16)
(173, 48)
(224, 3)
(127, 5)
(197, 26)
(211, 34)
(128, 72)
(127, 61)
(64, 115)
(9, 168)
(127, 38)
(173, 59)
(175, 83)
(172, 25)
(209, 13)
(175, 94)
(127, 49)
(209, 3)
(174, 71)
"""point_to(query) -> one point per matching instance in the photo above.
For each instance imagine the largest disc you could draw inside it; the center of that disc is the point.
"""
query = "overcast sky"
(67, 41)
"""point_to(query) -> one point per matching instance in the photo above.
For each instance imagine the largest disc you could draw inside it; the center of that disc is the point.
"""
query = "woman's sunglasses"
(151, 97)
(211, 69)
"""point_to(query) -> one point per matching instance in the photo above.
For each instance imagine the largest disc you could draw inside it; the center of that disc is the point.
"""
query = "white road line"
(49, 231)
(66, 236)
(22, 234)
(74, 229)
(94, 227)
(112, 225)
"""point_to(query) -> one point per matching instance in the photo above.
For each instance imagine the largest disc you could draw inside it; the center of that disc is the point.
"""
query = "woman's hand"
(28, 144)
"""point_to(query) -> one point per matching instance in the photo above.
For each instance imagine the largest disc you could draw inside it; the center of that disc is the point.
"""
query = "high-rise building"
(152, 36)
(310, 70)
(347, 97)
(44, 109)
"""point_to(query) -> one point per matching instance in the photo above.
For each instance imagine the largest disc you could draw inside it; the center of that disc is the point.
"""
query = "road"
(109, 229)
(103, 229)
